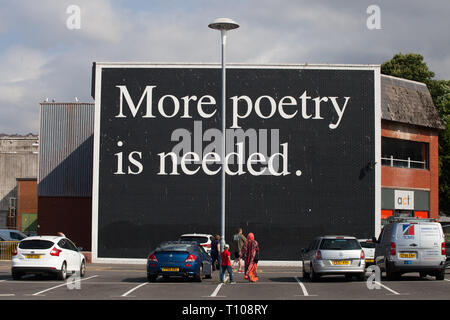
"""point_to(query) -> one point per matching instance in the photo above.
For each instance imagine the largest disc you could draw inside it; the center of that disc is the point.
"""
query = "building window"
(404, 153)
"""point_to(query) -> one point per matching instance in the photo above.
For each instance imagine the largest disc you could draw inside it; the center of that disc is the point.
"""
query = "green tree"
(408, 66)
(411, 66)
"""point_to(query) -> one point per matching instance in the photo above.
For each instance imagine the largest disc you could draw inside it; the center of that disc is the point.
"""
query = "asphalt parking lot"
(129, 282)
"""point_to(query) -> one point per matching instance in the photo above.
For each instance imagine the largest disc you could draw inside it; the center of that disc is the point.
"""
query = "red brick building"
(27, 205)
(409, 150)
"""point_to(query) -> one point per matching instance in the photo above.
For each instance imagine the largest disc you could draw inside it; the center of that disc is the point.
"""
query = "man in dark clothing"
(215, 252)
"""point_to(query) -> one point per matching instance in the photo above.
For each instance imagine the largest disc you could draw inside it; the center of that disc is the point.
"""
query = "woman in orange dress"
(250, 254)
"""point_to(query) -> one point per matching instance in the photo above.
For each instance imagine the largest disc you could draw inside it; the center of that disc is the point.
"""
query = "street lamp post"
(223, 24)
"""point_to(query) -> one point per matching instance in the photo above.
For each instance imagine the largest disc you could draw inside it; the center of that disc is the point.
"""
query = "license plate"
(341, 262)
(369, 260)
(170, 269)
(33, 256)
(408, 255)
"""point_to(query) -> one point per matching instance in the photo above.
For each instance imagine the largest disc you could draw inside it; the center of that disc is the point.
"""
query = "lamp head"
(223, 24)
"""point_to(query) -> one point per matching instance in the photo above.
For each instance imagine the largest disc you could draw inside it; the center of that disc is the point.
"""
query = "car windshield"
(175, 247)
(17, 236)
(365, 244)
(339, 244)
(194, 238)
(35, 244)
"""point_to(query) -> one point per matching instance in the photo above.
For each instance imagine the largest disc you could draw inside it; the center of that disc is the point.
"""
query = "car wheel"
(362, 276)
(440, 275)
(423, 274)
(16, 275)
(62, 274)
(390, 274)
(305, 274)
(82, 269)
(209, 276)
(199, 277)
(314, 276)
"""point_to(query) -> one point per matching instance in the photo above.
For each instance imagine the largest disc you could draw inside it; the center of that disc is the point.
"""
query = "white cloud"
(19, 64)
(100, 21)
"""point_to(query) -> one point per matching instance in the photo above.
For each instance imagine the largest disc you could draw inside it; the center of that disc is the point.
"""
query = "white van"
(414, 245)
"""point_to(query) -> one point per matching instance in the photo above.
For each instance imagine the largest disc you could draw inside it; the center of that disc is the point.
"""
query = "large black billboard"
(301, 155)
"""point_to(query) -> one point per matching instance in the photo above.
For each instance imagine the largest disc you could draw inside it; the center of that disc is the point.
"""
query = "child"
(226, 264)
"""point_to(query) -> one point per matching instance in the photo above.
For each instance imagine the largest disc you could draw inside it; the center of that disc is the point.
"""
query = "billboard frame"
(96, 86)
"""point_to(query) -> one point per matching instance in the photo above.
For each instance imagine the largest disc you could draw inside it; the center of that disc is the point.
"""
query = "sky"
(47, 48)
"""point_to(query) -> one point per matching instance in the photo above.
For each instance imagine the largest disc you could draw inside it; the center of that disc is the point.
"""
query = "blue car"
(179, 258)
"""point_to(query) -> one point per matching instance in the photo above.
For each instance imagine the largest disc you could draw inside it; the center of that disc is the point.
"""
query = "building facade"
(409, 150)
(410, 126)
(27, 205)
(65, 170)
(18, 159)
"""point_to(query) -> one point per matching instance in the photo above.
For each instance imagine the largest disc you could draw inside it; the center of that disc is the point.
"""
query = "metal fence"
(7, 248)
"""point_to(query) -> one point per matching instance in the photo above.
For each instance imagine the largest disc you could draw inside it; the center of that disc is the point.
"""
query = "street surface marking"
(135, 288)
(387, 288)
(7, 294)
(61, 285)
(305, 292)
(216, 291)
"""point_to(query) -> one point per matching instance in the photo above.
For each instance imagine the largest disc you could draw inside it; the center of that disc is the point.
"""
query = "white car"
(203, 239)
(368, 247)
(47, 254)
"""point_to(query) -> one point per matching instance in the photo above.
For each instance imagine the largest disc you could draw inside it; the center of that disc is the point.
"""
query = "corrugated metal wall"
(66, 149)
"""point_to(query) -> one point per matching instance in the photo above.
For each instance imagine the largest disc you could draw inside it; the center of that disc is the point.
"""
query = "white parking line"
(216, 291)
(135, 288)
(7, 294)
(387, 288)
(305, 292)
(61, 285)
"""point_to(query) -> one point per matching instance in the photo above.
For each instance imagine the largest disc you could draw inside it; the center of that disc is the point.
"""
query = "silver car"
(333, 255)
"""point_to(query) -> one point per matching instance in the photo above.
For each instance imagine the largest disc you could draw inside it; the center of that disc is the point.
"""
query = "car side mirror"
(374, 240)
(80, 249)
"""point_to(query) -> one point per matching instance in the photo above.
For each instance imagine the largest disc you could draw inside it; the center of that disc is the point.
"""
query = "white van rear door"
(432, 238)
(431, 235)
(408, 235)
(419, 241)
(408, 242)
